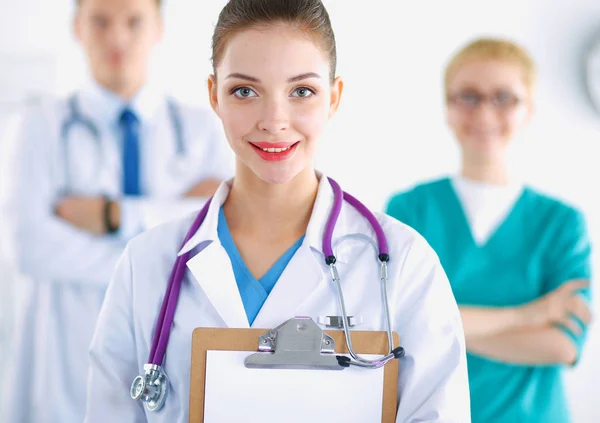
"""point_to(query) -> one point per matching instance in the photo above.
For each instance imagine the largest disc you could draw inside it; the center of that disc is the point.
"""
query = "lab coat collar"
(106, 106)
(208, 230)
(220, 288)
(314, 231)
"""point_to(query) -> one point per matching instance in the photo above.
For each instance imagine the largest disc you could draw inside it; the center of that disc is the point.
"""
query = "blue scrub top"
(541, 244)
(254, 292)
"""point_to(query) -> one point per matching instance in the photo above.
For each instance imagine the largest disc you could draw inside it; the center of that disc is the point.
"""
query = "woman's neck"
(493, 171)
(261, 209)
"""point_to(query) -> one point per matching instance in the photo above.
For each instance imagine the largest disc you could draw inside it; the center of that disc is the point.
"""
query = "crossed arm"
(532, 334)
(87, 213)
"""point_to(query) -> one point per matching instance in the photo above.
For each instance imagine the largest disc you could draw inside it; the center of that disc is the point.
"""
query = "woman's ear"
(212, 93)
(337, 89)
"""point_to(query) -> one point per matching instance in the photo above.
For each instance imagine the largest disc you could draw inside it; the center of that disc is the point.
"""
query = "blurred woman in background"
(518, 261)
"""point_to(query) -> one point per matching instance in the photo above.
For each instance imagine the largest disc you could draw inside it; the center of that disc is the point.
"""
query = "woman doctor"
(518, 260)
(258, 260)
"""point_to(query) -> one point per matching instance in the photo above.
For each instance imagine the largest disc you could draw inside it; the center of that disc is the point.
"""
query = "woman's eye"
(244, 92)
(302, 92)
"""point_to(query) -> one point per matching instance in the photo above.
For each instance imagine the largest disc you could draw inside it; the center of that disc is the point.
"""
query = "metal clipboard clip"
(298, 343)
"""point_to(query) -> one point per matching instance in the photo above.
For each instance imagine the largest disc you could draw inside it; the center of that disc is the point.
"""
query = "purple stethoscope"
(152, 387)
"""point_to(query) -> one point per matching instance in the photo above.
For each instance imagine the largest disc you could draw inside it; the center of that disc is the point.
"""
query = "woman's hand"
(559, 307)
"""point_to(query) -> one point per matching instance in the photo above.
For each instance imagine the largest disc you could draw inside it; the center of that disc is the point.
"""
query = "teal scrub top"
(541, 244)
(254, 292)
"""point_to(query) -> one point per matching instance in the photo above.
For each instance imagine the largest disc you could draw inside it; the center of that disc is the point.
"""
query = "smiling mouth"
(274, 147)
(274, 151)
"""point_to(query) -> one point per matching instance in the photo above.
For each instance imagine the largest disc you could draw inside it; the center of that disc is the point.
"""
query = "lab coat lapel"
(93, 164)
(211, 268)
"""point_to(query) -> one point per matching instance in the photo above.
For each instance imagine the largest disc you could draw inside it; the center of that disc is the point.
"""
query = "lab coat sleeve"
(46, 247)
(433, 382)
(113, 363)
(141, 214)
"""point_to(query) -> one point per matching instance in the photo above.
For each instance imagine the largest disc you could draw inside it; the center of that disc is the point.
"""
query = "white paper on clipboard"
(234, 393)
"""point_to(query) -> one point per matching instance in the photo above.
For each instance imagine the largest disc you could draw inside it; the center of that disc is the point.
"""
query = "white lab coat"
(433, 375)
(69, 268)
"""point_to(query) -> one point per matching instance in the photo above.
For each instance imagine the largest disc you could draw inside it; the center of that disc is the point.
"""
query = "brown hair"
(308, 16)
(492, 49)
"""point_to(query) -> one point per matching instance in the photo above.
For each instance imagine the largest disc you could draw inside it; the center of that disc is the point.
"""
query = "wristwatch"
(110, 228)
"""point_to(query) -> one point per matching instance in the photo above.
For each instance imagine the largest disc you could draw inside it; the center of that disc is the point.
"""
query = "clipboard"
(230, 339)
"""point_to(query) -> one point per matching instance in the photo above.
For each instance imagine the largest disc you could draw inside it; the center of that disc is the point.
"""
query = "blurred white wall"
(390, 131)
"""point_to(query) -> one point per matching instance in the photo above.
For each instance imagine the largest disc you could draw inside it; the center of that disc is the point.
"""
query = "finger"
(580, 309)
(571, 325)
(575, 285)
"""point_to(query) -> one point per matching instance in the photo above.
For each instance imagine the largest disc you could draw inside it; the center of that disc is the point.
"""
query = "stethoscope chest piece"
(151, 388)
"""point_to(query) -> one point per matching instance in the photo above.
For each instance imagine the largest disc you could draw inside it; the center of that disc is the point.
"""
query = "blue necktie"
(131, 152)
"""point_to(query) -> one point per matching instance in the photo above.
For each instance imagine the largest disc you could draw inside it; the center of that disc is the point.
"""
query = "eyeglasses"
(470, 100)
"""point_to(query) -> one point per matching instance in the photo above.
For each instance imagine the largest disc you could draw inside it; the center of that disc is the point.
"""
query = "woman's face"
(273, 94)
(488, 103)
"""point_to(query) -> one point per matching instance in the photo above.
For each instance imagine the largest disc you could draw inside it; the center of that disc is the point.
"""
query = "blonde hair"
(492, 49)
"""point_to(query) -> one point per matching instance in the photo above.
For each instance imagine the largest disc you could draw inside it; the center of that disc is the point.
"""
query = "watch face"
(593, 73)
